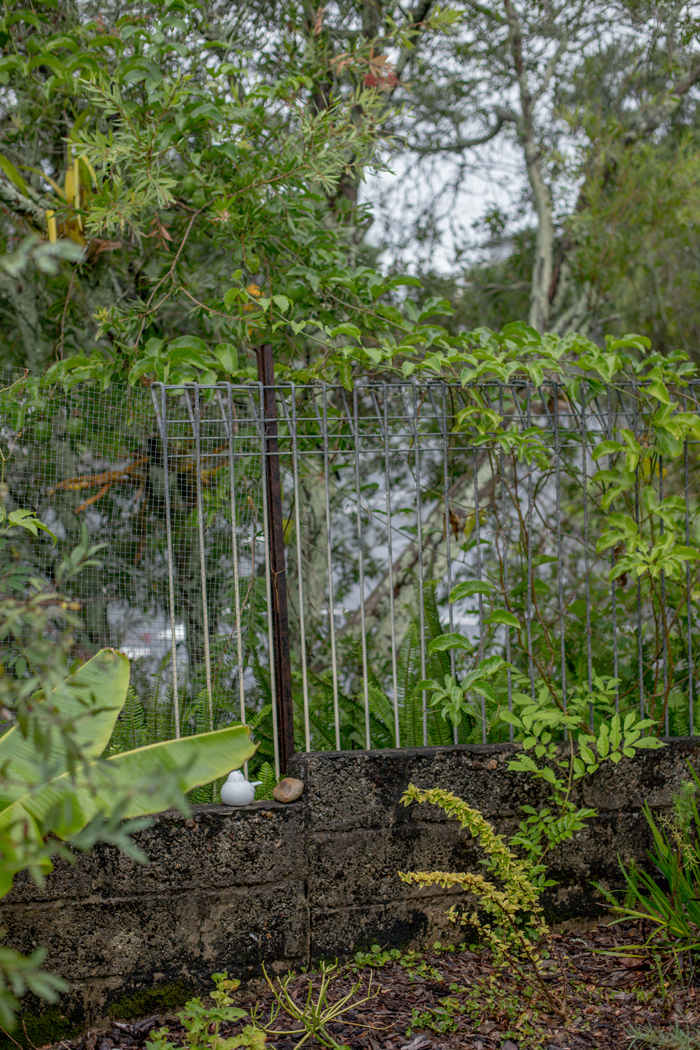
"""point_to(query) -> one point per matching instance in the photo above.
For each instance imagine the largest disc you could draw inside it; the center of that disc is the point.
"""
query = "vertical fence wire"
(689, 608)
(268, 578)
(194, 413)
(161, 412)
(448, 529)
(505, 530)
(477, 534)
(637, 511)
(528, 554)
(662, 580)
(227, 415)
(419, 540)
(586, 561)
(613, 583)
(560, 561)
(390, 559)
(300, 566)
(329, 545)
(360, 564)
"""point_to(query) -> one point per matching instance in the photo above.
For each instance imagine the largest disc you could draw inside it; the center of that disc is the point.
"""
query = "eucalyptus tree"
(561, 100)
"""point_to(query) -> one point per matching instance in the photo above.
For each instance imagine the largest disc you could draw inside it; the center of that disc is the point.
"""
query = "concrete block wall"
(231, 889)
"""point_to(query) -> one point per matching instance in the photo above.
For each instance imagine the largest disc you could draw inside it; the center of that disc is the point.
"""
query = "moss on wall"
(146, 1001)
(35, 1030)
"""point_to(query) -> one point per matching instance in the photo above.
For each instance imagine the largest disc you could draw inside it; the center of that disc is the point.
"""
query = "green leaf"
(346, 329)
(89, 704)
(686, 553)
(188, 342)
(26, 519)
(491, 664)
(450, 641)
(227, 356)
(603, 742)
(140, 781)
(606, 448)
(471, 587)
(523, 764)
(658, 390)
(13, 175)
(499, 616)
(586, 754)
(535, 372)
(615, 732)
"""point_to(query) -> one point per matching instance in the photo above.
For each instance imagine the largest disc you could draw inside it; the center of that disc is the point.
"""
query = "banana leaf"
(135, 783)
(87, 705)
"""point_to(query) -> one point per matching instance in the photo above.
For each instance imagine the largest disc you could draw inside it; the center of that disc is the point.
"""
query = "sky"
(398, 197)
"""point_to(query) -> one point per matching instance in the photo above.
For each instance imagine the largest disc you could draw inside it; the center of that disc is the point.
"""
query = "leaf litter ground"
(446, 999)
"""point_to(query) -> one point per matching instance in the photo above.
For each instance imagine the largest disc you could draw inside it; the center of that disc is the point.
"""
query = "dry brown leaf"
(318, 24)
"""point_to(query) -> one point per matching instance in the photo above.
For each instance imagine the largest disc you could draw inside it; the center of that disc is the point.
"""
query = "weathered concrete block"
(185, 934)
(349, 868)
(418, 921)
(229, 889)
(218, 846)
(363, 788)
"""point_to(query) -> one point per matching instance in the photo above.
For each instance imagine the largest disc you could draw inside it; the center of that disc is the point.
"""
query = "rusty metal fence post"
(275, 539)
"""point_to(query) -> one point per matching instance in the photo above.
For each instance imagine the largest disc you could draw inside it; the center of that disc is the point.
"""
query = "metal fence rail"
(294, 548)
(384, 507)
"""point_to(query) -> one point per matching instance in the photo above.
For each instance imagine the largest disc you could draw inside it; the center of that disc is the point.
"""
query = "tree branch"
(550, 68)
(459, 145)
(649, 117)
(21, 205)
(419, 15)
(544, 246)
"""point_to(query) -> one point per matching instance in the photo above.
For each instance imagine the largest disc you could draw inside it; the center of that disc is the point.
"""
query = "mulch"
(445, 999)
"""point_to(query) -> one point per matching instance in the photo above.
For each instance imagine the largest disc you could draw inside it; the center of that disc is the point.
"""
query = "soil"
(445, 999)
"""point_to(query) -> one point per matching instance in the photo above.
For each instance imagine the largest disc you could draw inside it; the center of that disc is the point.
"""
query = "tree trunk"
(377, 608)
(544, 247)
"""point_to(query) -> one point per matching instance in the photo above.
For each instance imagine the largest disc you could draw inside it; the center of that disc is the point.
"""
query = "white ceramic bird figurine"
(237, 791)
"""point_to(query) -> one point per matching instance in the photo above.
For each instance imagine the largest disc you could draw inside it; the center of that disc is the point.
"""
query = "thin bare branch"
(460, 144)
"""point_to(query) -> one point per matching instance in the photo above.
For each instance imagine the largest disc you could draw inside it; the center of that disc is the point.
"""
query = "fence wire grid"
(384, 507)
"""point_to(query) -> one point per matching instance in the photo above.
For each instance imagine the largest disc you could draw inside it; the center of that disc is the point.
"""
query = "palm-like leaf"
(86, 706)
(143, 780)
(55, 781)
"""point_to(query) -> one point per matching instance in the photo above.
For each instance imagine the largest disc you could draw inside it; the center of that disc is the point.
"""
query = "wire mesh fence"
(388, 499)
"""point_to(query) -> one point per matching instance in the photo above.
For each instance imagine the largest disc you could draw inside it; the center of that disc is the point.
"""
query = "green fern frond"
(266, 774)
(631, 895)
(260, 716)
(678, 714)
(131, 728)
